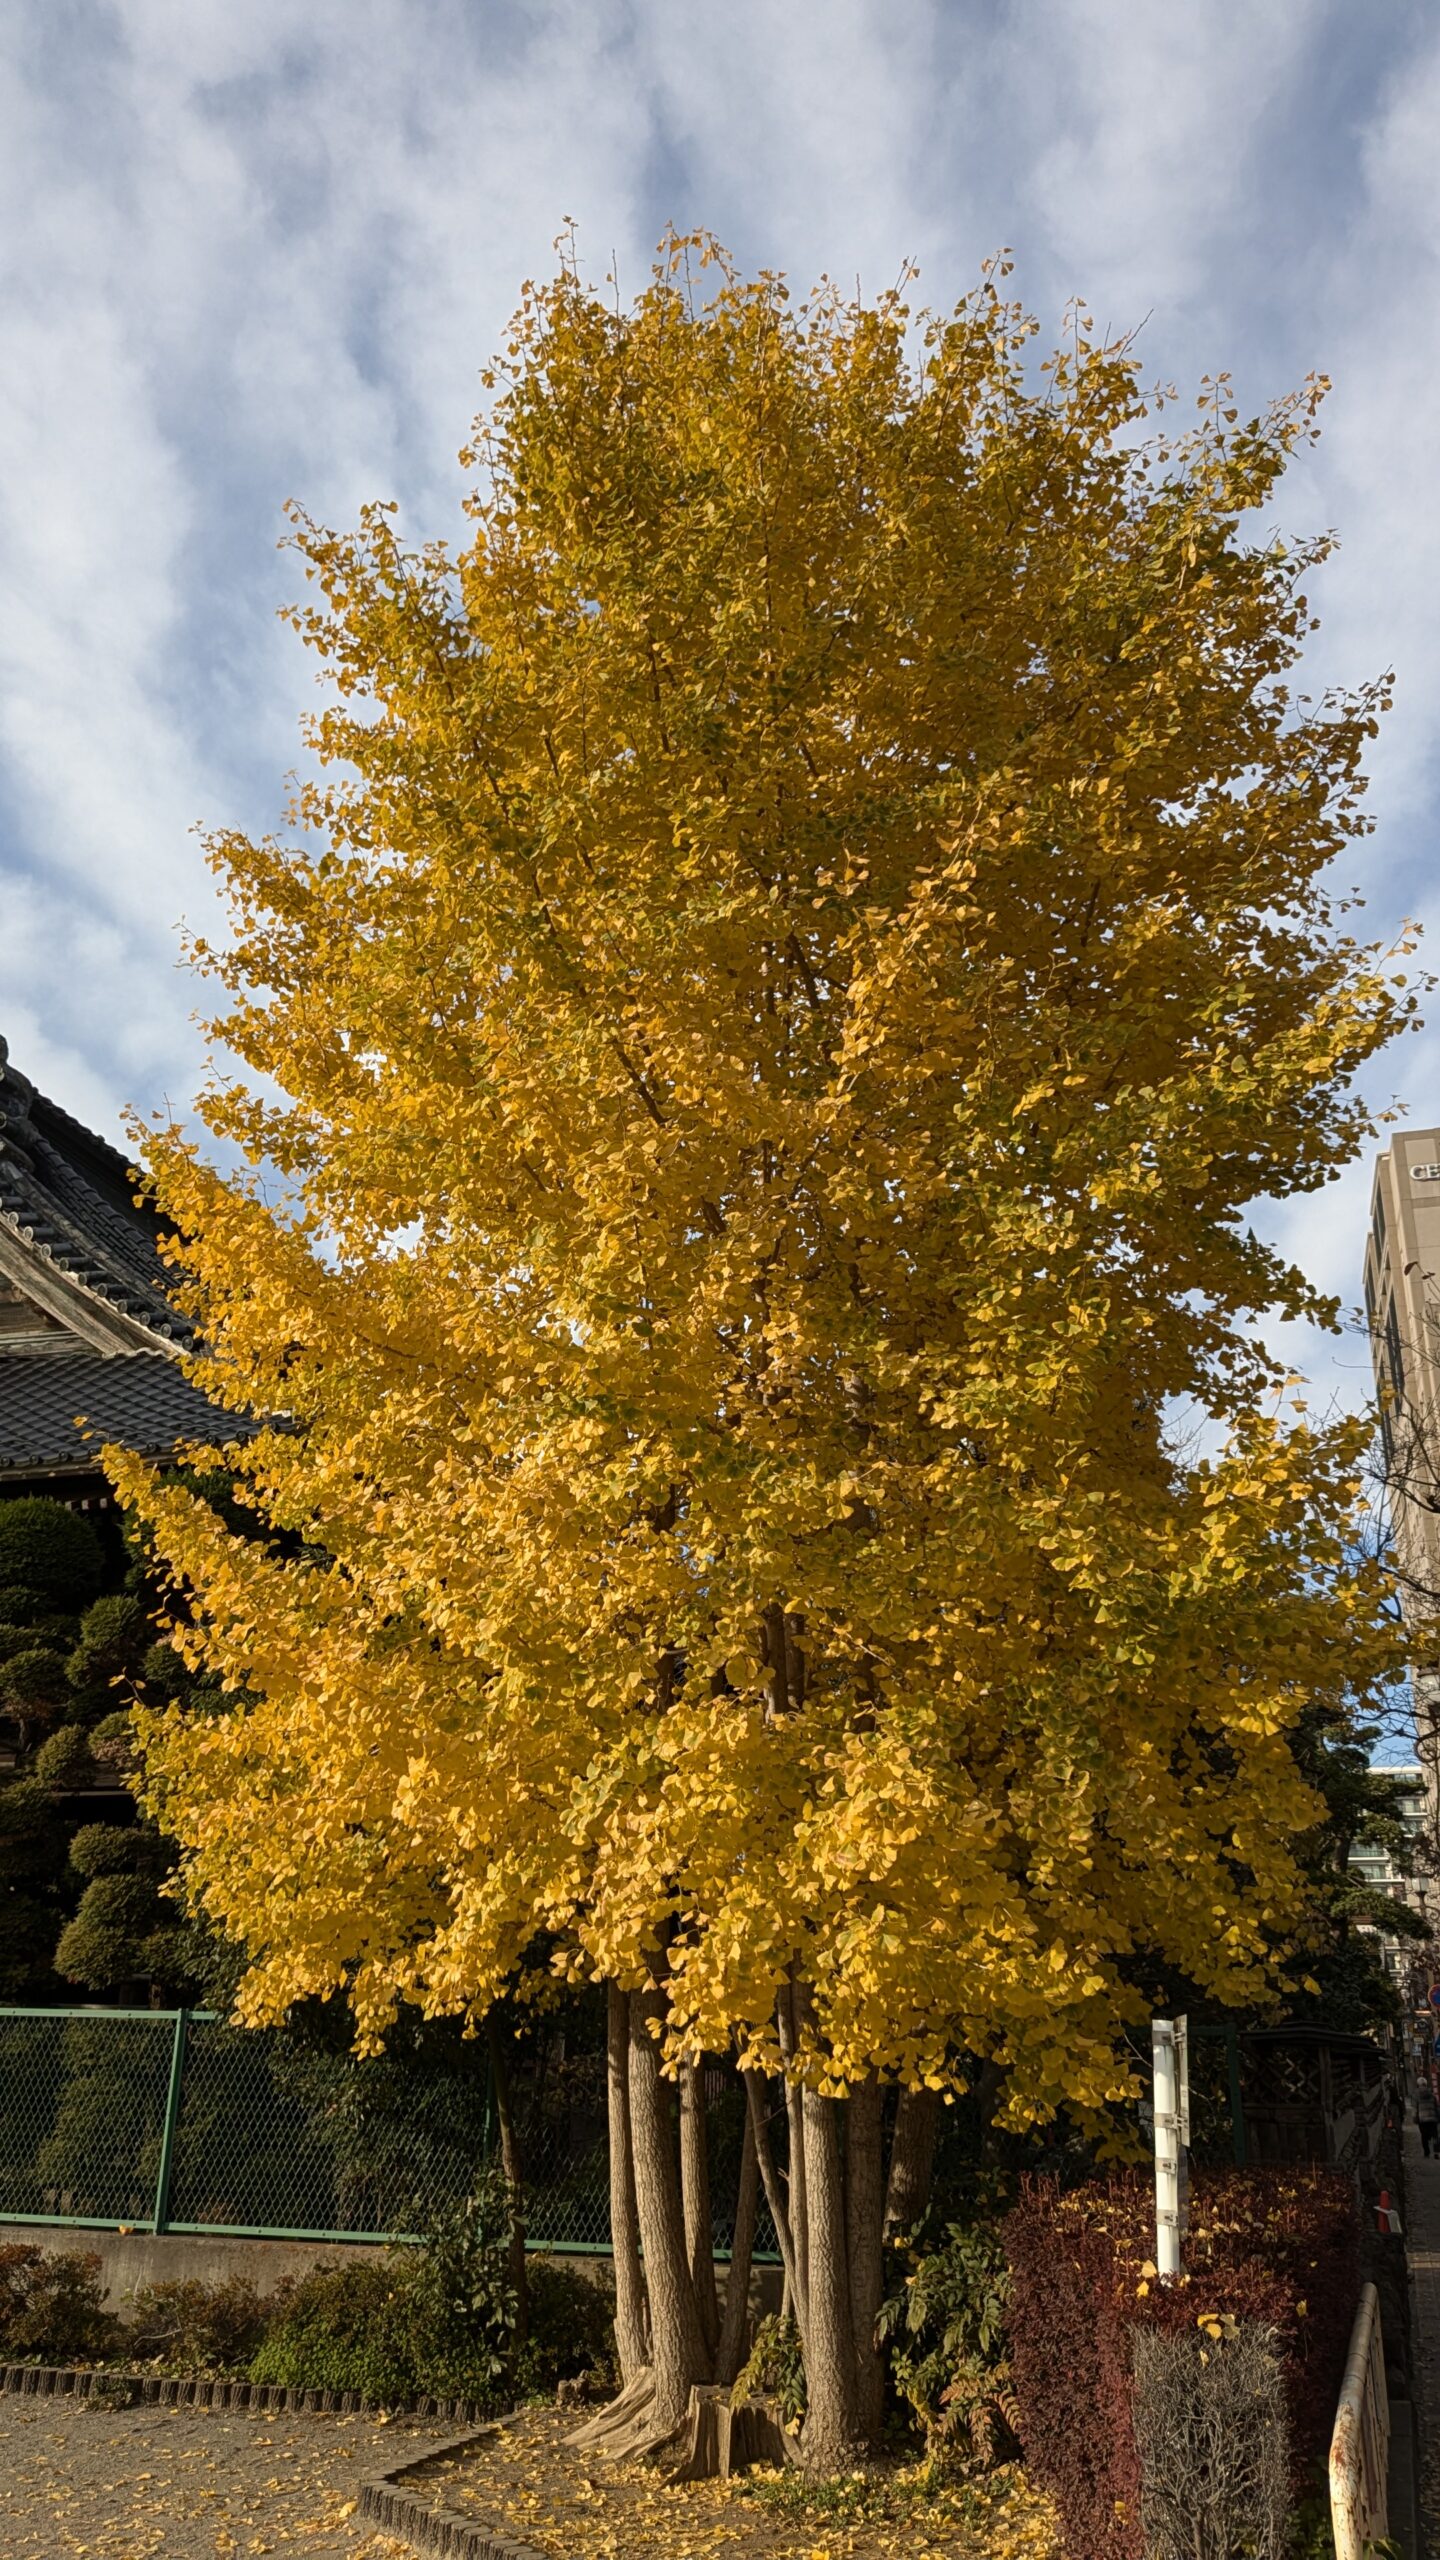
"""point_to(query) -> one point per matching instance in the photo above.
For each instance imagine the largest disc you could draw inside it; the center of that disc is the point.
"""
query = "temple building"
(90, 1343)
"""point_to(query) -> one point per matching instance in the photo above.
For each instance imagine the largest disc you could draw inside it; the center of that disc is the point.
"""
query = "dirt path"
(187, 2484)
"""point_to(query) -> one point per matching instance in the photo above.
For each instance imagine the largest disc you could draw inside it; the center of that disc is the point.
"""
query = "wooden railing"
(1360, 2445)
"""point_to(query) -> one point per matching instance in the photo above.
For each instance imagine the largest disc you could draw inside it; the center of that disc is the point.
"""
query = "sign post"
(1170, 2059)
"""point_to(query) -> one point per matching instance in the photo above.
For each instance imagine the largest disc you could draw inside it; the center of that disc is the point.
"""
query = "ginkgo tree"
(797, 945)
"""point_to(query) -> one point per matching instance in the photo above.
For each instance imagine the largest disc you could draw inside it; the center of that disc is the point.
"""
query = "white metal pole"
(1167, 2151)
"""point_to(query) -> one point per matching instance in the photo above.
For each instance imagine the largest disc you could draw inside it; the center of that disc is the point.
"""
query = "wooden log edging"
(207, 2391)
(437, 2532)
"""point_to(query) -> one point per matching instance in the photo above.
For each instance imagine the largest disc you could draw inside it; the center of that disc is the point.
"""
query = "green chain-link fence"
(174, 2121)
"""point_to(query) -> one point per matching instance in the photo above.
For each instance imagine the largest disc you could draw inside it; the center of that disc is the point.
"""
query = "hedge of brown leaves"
(1278, 2246)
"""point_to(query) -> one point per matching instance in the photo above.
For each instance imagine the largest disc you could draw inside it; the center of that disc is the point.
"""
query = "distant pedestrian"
(1427, 2116)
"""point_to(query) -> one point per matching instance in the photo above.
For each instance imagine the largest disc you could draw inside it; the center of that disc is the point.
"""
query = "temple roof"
(74, 1240)
(86, 1324)
(56, 1414)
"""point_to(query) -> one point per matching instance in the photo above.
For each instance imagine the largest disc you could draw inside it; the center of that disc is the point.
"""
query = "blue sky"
(260, 252)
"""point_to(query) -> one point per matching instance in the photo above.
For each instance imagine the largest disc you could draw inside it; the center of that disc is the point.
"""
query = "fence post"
(172, 2117)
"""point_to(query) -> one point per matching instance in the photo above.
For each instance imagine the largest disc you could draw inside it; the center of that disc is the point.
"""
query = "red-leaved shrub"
(1278, 2246)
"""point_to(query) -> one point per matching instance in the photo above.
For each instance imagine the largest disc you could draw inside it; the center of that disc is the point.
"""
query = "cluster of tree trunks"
(834, 2198)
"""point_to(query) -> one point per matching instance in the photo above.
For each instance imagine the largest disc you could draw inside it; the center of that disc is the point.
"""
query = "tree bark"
(864, 2212)
(795, 2181)
(832, 2439)
(734, 2327)
(677, 2342)
(774, 2192)
(632, 2341)
(695, 2197)
(912, 2160)
(511, 2170)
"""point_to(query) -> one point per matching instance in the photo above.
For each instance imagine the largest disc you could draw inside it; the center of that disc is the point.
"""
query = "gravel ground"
(185, 2484)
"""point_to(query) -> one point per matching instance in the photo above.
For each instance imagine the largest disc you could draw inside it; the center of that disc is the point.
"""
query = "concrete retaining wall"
(131, 2258)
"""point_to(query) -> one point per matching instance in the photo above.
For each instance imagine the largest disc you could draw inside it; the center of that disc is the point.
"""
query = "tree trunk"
(988, 2088)
(632, 2343)
(864, 2211)
(695, 2197)
(912, 2160)
(677, 2342)
(510, 2165)
(796, 2186)
(774, 2193)
(832, 2438)
(734, 2328)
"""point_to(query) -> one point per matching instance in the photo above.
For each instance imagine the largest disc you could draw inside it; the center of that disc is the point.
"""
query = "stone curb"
(201, 2391)
(436, 2530)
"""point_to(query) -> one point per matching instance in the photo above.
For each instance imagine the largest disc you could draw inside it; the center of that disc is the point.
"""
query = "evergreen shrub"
(50, 1551)
(64, 1760)
(440, 2320)
(193, 2327)
(362, 2328)
(572, 2326)
(945, 2326)
(112, 1744)
(1276, 2249)
(162, 1671)
(115, 1849)
(114, 1638)
(775, 2369)
(52, 2305)
(33, 1682)
(108, 1942)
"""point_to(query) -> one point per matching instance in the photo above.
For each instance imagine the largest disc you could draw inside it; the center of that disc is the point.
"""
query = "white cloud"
(248, 254)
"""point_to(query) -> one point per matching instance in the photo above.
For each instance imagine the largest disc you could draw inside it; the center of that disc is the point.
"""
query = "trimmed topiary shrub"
(33, 1684)
(112, 1744)
(114, 1638)
(50, 1551)
(64, 1761)
(162, 1671)
(52, 2306)
(111, 1938)
(116, 1849)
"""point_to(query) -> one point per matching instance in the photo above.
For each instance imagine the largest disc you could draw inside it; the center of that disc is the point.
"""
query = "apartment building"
(1402, 1309)
(1403, 1879)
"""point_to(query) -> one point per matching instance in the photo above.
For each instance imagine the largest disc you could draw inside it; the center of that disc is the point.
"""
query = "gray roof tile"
(70, 1196)
(138, 1399)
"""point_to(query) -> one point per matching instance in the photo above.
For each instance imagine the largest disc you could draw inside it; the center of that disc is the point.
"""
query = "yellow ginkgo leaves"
(820, 933)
